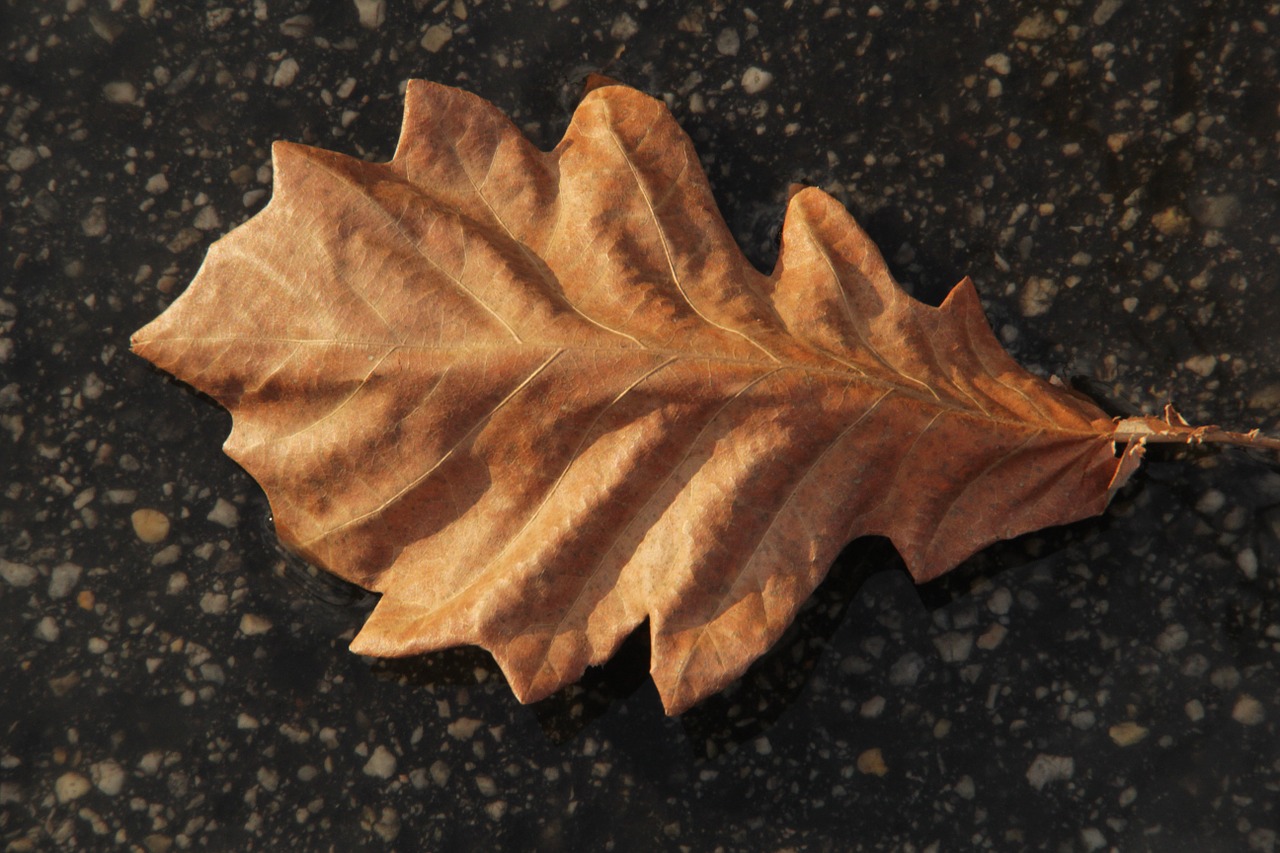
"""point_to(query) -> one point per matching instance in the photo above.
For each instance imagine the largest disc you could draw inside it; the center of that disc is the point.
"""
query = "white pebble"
(1172, 639)
(372, 13)
(436, 37)
(1050, 768)
(727, 42)
(624, 27)
(150, 525)
(1211, 501)
(286, 72)
(207, 219)
(167, 556)
(109, 777)
(70, 786)
(225, 513)
(120, 92)
(1201, 365)
(1247, 562)
(1248, 711)
(906, 670)
(213, 603)
(64, 579)
(252, 625)
(17, 574)
(998, 62)
(953, 646)
(1092, 838)
(756, 80)
(47, 629)
(381, 764)
(21, 159)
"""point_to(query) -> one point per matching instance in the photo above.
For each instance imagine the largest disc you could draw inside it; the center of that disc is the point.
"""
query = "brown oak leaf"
(534, 399)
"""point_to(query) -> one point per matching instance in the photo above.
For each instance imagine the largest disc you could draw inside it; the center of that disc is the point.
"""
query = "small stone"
(1083, 720)
(755, 80)
(623, 27)
(64, 579)
(1000, 602)
(1172, 639)
(464, 727)
(1194, 710)
(1035, 27)
(120, 92)
(225, 513)
(1127, 733)
(727, 42)
(1092, 839)
(1171, 222)
(387, 826)
(1105, 10)
(1216, 211)
(269, 779)
(906, 670)
(167, 556)
(436, 37)
(150, 525)
(1201, 365)
(47, 629)
(286, 72)
(157, 843)
(1266, 397)
(109, 777)
(23, 158)
(1037, 296)
(70, 786)
(1248, 711)
(372, 13)
(94, 223)
(1117, 141)
(998, 62)
(992, 637)
(214, 603)
(207, 219)
(1247, 562)
(954, 646)
(1050, 768)
(1211, 502)
(252, 625)
(298, 26)
(381, 764)
(439, 772)
(871, 762)
(17, 574)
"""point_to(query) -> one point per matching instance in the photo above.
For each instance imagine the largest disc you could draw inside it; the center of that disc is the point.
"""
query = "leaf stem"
(1173, 429)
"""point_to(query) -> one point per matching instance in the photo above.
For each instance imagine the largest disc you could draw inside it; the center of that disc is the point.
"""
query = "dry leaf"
(536, 398)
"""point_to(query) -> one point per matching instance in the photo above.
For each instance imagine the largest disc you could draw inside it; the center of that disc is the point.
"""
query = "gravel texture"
(1106, 172)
